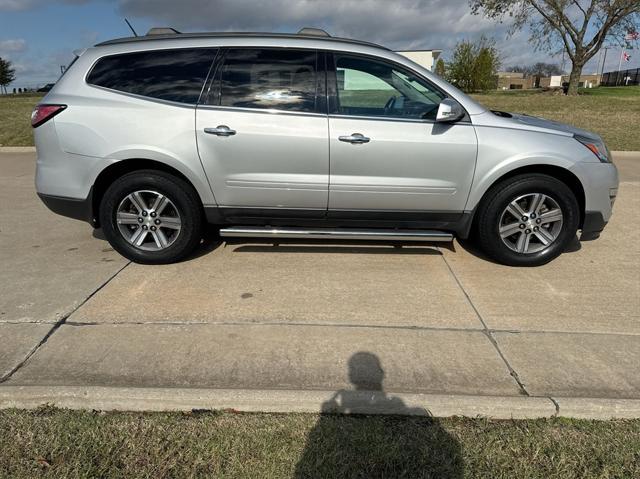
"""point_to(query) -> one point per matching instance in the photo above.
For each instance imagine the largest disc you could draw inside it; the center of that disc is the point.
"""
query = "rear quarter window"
(173, 75)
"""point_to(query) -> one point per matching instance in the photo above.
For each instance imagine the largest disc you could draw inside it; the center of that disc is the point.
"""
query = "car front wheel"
(527, 220)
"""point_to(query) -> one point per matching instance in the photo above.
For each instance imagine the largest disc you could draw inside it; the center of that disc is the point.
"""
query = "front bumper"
(600, 183)
(592, 225)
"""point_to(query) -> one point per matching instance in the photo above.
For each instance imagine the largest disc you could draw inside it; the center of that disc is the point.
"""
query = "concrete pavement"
(445, 329)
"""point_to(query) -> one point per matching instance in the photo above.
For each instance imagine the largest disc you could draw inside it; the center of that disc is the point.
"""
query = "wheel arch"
(123, 167)
(557, 172)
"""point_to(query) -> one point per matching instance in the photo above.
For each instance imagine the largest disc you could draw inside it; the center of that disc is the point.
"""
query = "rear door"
(262, 132)
(388, 155)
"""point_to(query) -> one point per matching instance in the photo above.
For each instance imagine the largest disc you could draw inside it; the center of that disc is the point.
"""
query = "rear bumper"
(77, 209)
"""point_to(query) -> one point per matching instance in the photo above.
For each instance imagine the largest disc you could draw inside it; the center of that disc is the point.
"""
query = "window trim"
(332, 89)
(214, 89)
(151, 98)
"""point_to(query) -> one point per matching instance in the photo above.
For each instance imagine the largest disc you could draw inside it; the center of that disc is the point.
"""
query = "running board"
(336, 234)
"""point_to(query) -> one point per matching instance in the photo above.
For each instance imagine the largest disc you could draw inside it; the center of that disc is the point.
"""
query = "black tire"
(501, 195)
(185, 201)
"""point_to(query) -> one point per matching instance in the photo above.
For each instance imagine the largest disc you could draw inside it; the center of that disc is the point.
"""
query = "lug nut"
(538, 221)
(144, 227)
(527, 231)
(521, 225)
(535, 228)
(157, 222)
(153, 228)
(524, 218)
(533, 215)
(153, 214)
(140, 220)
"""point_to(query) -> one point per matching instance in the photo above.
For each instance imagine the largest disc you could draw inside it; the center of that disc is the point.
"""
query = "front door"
(261, 135)
(387, 153)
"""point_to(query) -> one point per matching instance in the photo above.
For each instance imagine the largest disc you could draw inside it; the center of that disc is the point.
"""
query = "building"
(424, 58)
(556, 81)
(514, 81)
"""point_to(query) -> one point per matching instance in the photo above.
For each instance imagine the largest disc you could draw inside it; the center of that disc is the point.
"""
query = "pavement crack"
(557, 406)
(487, 332)
(57, 326)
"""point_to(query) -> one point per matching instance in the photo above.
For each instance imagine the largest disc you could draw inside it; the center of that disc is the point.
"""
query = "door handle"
(220, 130)
(355, 138)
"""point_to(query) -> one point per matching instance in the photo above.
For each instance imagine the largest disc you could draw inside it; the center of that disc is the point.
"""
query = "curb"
(625, 154)
(17, 149)
(291, 401)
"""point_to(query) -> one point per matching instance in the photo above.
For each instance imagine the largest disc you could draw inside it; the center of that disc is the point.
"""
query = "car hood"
(541, 123)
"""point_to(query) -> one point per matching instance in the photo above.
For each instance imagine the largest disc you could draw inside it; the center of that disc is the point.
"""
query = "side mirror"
(449, 110)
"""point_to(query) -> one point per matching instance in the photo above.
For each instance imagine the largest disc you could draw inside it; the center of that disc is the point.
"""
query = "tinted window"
(374, 88)
(175, 75)
(269, 78)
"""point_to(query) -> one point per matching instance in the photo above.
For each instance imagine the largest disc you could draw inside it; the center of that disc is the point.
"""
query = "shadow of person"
(377, 438)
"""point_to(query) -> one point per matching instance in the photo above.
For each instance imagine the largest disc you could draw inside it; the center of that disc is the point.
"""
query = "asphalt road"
(436, 321)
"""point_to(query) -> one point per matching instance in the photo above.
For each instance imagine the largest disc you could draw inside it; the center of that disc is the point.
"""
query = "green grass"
(616, 91)
(15, 119)
(611, 112)
(62, 443)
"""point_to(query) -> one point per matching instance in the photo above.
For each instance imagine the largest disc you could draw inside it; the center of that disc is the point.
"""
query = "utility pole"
(603, 62)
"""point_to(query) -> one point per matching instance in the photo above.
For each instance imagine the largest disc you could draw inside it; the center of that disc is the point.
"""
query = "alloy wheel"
(148, 220)
(530, 223)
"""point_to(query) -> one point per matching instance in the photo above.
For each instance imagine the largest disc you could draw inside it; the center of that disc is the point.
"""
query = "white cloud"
(21, 5)
(397, 24)
(13, 46)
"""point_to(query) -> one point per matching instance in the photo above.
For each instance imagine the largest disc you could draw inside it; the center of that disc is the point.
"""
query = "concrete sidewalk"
(260, 326)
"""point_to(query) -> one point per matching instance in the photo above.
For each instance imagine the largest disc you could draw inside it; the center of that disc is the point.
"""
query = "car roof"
(174, 35)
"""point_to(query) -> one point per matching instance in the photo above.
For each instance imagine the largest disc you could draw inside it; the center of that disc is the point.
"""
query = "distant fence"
(621, 78)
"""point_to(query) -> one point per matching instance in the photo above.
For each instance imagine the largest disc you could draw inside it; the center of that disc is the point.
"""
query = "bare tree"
(538, 69)
(579, 27)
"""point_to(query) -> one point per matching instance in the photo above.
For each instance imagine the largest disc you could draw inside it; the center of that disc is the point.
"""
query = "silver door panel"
(405, 165)
(272, 160)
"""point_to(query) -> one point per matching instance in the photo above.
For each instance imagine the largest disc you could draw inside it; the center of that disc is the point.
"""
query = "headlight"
(596, 147)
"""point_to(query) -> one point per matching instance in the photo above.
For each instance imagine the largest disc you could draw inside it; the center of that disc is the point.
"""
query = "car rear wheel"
(151, 217)
(527, 220)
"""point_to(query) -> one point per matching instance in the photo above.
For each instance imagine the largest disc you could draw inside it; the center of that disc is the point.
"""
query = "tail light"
(42, 113)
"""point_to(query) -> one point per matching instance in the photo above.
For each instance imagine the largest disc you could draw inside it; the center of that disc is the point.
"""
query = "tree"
(474, 66)
(579, 27)
(538, 69)
(441, 68)
(7, 74)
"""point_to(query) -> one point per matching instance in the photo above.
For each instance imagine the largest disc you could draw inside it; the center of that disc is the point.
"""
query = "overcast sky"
(39, 35)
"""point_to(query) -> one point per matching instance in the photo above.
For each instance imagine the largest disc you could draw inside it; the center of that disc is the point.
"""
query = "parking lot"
(280, 321)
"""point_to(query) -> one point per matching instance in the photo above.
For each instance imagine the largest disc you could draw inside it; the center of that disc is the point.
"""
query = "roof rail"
(172, 34)
(316, 32)
(162, 31)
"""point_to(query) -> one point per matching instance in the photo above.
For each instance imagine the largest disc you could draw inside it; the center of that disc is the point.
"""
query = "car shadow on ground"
(366, 444)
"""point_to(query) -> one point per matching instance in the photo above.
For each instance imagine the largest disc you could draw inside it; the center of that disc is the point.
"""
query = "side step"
(336, 234)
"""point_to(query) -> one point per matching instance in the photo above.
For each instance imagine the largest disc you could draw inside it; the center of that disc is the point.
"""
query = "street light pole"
(603, 62)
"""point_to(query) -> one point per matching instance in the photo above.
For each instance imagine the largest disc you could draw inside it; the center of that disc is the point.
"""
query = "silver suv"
(304, 136)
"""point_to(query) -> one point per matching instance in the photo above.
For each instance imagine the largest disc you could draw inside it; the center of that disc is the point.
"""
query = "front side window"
(269, 78)
(367, 87)
(174, 75)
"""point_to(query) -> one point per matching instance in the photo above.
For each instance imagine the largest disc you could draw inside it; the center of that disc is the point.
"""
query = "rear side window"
(269, 78)
(174, 75)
